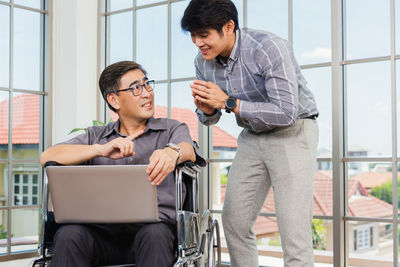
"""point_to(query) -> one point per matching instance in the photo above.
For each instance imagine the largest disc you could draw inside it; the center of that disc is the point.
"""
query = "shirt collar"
(234, 53)
(152, 124)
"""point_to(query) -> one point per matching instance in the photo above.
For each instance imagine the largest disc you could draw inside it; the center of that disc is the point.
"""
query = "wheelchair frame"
(198, 237)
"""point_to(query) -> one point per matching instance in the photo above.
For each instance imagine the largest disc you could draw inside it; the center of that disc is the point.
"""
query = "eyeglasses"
(138, 89)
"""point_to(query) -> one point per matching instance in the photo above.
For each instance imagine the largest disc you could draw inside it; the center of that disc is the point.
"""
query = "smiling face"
(211, 43)
(139, 108)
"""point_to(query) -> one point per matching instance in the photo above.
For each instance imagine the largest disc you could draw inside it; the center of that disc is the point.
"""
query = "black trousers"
(146, 245)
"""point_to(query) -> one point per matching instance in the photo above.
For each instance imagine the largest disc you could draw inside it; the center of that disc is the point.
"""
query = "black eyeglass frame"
(148, 85)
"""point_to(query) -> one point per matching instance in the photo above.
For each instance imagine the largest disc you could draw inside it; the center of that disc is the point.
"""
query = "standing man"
(254, 75)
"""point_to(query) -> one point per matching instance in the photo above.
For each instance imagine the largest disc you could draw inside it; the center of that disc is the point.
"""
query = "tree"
(384, 192)
(318, 231)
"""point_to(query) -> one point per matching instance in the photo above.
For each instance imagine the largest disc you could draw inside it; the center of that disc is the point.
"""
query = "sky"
(367, 35)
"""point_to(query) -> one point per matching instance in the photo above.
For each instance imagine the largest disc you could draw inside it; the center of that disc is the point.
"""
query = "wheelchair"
(198, 236)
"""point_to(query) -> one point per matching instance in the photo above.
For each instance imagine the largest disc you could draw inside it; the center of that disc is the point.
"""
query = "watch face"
(231, 103)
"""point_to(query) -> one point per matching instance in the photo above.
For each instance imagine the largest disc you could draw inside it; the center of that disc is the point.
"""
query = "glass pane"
(25, 129)
(398, 104)
(365, 19)
(217, 184)
(147, 2)
(3, 231)
(24, 235)
(268, 15)
(183, 107)
(225, 134)
(370, 189)
(312, 31)
(239, 7)
(4, 122)
(319, 81)
(269, 242)
(183, 51)
(23, 192)
(160, 100)
(323, 195)
(30, 3)
(113, 5)
(120, 37)
(152, 40)
(4, 45)
(3, 184)
(397, 28)
(369, 112)
(27, 50)
(370, 243)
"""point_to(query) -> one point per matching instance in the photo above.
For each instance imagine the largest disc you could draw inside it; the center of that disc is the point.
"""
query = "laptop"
(102, 194)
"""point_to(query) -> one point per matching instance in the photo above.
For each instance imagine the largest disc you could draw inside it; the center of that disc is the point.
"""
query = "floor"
(264, 261)
(17, 263)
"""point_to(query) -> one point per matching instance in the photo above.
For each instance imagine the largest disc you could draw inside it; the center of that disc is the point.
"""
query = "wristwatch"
(230, 104)
(177, 149)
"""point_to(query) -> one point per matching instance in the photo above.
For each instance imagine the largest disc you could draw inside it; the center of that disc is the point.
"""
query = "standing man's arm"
(279, 72)
(207, 115)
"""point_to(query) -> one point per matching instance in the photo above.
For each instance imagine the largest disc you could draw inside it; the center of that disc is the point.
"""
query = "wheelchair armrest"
(186, 174)
(52, 163)
(189, 168)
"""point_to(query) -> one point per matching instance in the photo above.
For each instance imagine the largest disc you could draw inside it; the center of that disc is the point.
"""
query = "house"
(370, 180)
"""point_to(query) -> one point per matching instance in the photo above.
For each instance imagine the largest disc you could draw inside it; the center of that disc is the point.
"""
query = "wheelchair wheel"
(214, 245)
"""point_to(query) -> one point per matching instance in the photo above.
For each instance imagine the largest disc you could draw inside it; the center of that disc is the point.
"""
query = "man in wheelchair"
(135, 138)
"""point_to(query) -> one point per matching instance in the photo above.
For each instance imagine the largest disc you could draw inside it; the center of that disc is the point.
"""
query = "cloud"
(323, 53)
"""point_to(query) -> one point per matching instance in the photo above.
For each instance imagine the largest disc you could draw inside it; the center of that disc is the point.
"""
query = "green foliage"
(318, 231)
(275, 241)
(94, 122)
(224, 178)
(384, 192)
(3, 234)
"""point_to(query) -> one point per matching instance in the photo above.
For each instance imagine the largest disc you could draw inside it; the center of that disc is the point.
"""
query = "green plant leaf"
(77, 130)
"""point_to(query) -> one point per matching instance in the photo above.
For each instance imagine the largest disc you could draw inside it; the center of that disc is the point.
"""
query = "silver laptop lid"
(102, 194)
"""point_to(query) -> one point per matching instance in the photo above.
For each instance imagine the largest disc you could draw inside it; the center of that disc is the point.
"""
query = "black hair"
(205, 14)
(111, 76)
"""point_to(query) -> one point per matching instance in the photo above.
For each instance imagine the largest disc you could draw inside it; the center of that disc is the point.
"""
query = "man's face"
(139, 107)
(211, 43)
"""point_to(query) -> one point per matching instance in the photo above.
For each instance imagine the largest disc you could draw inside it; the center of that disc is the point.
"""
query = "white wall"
(74, 59)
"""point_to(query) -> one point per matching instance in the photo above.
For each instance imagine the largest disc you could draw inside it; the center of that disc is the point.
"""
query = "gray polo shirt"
(157, 134)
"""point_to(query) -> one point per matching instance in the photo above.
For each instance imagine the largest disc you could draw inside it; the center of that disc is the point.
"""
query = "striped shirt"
(263, 73)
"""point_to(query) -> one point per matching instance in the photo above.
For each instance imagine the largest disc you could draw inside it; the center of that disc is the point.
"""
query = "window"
(23, 92)
(363, 76)
(363, 238)
(26, 189)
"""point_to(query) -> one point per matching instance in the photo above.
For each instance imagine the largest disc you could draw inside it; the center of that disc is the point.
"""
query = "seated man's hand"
(118, 148)
(162, 163)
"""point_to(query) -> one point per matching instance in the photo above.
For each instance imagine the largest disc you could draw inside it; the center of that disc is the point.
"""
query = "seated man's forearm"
(69, 154)
(187, 152)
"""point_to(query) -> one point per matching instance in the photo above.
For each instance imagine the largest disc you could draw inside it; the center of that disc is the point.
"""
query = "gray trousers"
(284, 158)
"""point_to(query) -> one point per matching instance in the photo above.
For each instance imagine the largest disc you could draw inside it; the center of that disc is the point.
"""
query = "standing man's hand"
(208, 96)
(118, 148)
(162, 163)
